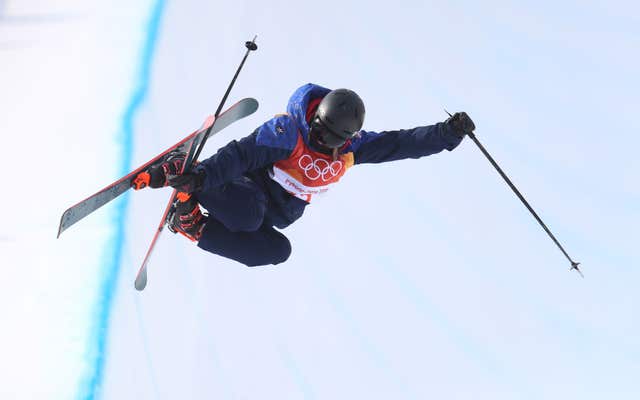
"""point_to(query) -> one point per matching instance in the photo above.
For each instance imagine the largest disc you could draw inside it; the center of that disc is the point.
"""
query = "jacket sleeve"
(374, 147)
(272, 141)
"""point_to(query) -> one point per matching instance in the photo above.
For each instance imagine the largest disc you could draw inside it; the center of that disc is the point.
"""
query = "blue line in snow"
(90, 385)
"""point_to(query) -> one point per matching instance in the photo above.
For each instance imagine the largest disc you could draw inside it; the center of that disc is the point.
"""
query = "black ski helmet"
(339, 116)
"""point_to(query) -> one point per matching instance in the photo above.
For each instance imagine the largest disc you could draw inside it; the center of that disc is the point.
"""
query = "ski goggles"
(326, 136)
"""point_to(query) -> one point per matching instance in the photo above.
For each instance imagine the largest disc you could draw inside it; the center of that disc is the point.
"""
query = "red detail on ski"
(141, 181)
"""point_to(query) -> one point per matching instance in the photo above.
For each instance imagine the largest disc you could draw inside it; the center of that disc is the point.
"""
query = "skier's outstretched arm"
(378, 147)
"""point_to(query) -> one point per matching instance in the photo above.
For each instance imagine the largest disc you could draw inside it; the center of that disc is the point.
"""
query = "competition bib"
(306, 172)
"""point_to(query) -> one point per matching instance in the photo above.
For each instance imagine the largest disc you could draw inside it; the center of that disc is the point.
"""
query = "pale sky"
(433, 280)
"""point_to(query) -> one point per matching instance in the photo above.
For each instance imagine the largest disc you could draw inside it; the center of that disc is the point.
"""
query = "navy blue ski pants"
(236, 227)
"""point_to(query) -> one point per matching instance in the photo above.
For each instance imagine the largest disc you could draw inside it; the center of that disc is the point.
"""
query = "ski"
(141, 278)
(189, 144)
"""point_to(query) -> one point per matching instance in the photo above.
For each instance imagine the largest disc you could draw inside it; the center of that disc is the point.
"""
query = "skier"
(265, 180)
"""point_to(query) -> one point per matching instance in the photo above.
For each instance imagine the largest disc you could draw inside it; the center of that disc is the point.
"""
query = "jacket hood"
(299, 102)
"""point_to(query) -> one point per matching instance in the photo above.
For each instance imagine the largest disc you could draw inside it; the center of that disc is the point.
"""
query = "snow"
(66, 67)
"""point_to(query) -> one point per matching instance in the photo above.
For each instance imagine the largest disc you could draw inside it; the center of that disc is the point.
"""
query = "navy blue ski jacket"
(279, 158)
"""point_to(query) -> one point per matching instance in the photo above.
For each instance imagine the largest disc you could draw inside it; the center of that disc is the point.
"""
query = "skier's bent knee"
(276, 258)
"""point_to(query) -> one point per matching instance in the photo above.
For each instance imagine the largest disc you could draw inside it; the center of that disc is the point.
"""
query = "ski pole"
(574, 265)
(251, 46)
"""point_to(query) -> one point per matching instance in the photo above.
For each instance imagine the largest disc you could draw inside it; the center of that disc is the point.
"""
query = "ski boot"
(157, 175)
(186, 218)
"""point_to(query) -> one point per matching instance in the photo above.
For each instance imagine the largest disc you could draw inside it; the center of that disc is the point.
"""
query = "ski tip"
(141, 280)
(251, 104)
(62, 227)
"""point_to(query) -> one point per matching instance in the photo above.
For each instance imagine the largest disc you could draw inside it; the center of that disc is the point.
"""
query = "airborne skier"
(265, 180)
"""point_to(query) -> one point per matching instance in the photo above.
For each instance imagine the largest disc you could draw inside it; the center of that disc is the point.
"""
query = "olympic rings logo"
(319, 168)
